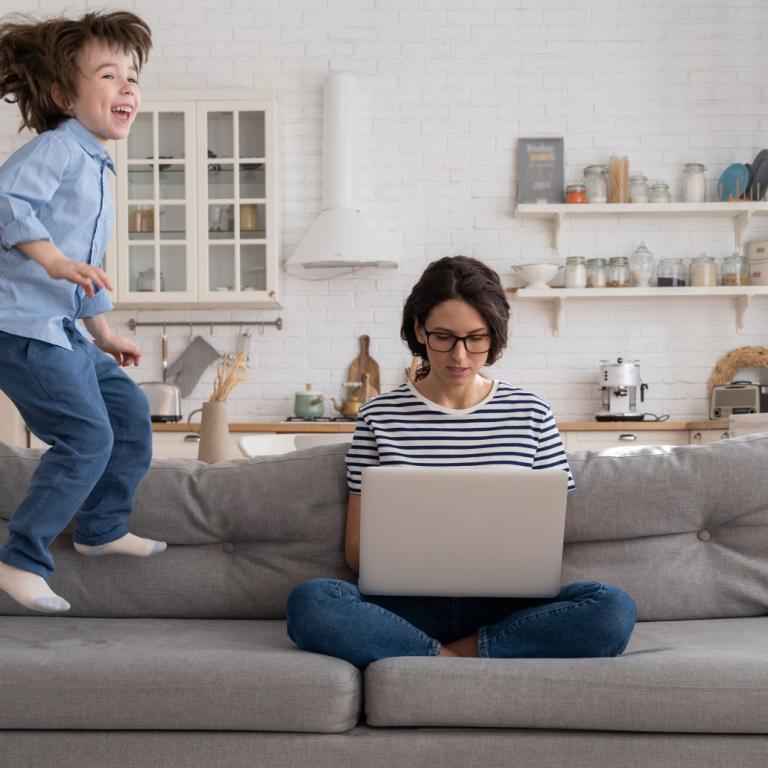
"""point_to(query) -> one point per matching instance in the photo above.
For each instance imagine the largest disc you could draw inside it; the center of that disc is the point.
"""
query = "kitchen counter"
(294, 427)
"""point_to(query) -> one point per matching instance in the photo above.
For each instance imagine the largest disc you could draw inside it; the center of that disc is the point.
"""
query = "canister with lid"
(597, 273)
(694, 183)
(703, 271)
(639, 191)
(670, 273)
(596, 182)
(660, 193)
(736, 269)
(641, 266)
(575, 272)
(618, 272)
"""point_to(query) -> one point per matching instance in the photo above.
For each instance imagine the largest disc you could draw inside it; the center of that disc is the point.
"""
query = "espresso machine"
(619, 385)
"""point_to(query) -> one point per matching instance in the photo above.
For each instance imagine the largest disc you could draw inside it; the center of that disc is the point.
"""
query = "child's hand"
(122, 349)
(79, 273)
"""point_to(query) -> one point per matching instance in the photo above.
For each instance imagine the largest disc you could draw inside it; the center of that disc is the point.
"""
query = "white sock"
(30, 590)
(127, 545)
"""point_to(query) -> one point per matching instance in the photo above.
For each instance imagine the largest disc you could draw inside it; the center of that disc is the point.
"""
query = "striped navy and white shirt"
(510, 426)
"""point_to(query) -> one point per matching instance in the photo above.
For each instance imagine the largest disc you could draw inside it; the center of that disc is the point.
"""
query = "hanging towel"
(190, 365)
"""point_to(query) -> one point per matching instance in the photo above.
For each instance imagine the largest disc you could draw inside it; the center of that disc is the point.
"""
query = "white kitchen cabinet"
(598, 440)
(707, 436)
(197, 201)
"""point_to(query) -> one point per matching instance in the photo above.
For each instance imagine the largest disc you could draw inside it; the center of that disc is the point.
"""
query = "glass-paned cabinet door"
(156, 203)
(238, 249)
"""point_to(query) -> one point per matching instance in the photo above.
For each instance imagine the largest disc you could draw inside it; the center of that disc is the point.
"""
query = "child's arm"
(59, 267)
(122, 349)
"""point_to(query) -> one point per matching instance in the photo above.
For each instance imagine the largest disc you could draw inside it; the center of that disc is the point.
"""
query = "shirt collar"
(88, 142)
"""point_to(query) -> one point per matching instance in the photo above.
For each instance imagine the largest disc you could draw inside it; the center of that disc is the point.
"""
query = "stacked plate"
(745, 181)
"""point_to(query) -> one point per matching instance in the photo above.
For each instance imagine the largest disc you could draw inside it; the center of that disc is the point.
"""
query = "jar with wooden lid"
(736, 269)
(618, 272)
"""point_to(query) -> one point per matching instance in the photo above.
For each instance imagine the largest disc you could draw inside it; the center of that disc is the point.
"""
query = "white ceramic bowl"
(536, 275)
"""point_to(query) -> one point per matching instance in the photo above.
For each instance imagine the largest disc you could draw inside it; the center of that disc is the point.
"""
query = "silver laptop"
(462, 531)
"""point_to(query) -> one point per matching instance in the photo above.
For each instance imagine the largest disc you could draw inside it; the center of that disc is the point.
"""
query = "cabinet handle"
(697, 435)
(725, 435)
(628, 436)
(191, 438)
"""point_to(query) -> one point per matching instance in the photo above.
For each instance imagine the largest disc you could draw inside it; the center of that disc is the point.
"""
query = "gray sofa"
(183, 659)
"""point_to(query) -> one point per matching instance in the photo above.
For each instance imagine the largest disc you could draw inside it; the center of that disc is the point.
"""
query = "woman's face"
(451, 318)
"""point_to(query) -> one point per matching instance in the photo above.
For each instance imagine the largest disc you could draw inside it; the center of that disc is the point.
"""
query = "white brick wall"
(446, 87)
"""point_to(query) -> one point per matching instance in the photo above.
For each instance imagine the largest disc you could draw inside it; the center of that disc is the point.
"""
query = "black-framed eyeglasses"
(475, 343)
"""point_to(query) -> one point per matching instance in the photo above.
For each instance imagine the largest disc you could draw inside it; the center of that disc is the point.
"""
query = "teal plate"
(733, 183)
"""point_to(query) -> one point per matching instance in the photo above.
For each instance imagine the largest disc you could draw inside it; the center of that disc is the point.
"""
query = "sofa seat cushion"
(693, 676)
(169, 674)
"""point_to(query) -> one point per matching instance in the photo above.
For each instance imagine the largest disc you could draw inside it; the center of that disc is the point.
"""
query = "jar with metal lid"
(597, 273)
(641, 267)
(575, 272)
(596, 182)
(575, 193)
(694, 183)
(703, 271)
(670, 273)
(660, 193)
(639, 191)
(618, 272)
(736, 269)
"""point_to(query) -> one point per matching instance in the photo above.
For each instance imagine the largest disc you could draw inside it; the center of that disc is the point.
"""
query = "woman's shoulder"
(395, 398)
(520, 397)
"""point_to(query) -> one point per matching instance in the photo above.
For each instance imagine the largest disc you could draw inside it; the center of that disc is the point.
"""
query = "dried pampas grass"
(228, 376)
(733, 362)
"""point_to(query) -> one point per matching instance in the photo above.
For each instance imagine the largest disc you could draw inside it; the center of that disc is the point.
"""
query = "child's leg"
(100, 524)
(56, 392)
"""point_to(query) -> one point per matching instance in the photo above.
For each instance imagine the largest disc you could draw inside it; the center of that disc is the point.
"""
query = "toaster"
(739, 397)
(164, 400)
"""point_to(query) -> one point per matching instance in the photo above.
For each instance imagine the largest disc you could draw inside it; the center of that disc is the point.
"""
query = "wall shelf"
(742, 297)
(740, 211)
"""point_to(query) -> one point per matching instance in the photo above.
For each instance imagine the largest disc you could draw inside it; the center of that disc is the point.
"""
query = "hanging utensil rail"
(133, 324)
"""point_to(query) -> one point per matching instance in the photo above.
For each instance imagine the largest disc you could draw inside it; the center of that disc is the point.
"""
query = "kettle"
(359, 392)
(308, 404)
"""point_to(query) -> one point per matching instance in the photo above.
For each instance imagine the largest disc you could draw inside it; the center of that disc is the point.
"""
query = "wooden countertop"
(349, 426)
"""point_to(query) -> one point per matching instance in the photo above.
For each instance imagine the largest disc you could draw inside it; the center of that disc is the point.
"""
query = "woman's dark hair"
(36, 55)
(456, 277)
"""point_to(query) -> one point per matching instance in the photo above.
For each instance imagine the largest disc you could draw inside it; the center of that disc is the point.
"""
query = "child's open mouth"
(122, 113)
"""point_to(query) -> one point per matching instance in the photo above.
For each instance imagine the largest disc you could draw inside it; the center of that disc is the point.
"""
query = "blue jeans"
(96, 421)
(586, 619)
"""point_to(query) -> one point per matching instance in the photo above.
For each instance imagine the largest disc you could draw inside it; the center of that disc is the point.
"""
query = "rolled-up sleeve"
(97, 305)
(28, 180)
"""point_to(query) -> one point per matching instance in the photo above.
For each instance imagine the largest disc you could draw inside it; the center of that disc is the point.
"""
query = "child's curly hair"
(36, 55)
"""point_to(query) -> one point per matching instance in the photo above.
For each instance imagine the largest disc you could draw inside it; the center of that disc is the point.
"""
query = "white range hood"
(340, 242)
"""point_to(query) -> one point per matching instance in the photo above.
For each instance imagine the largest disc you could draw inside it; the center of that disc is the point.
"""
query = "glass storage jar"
(575, 272)
(639, 191)
(660, 193)
(575, 193)
(618, 272)
(670, 273)
(596, 182)
(736, 269)
(597, 274)
(694, 183)
(703, 271)
(641, 266)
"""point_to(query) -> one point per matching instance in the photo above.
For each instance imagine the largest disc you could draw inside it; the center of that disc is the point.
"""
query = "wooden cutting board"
(364, 363)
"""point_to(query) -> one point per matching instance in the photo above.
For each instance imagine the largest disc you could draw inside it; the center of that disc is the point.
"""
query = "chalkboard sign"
(540, 174)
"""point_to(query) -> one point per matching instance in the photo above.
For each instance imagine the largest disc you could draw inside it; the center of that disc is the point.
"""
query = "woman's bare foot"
(127, 545)
(467, 646)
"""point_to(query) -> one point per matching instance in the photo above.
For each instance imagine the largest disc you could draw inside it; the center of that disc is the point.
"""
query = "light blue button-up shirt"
(53, 188)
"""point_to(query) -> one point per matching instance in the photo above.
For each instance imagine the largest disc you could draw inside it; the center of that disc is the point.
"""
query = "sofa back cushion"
(682, 529)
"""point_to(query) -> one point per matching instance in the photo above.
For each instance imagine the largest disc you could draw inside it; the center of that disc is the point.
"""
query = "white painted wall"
(446, 88)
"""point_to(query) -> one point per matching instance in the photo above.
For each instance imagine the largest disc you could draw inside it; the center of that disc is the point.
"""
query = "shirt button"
(228, 547)
(703, 535)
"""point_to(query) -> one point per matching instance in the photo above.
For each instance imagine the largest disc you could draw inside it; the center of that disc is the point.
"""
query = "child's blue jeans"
(97, 422)
(586, 619)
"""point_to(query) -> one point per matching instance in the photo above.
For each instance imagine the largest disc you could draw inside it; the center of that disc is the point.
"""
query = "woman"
(456, 320)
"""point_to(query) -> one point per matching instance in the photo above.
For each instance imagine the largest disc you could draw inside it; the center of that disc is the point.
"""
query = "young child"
(76, 84)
